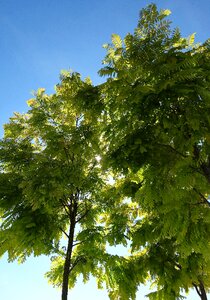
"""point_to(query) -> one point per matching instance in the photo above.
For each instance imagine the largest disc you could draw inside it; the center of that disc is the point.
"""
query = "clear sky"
(40, 38)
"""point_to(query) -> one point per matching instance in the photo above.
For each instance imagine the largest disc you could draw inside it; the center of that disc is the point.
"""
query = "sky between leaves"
(40, 38)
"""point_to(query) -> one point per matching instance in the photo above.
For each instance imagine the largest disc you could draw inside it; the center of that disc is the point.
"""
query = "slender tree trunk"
(67, 264)
(200, 289)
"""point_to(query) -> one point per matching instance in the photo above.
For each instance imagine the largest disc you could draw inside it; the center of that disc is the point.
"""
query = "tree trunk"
(67, 264)
(200, 289)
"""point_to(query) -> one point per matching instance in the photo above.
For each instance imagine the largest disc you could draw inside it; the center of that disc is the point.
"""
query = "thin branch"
(75, 263)
(204, 166)
(83, 216)
(64, 232)
(196, 152)
(78, 243)
(173, 149)
(73, 266)
(206, 171)
(77, 121)
(205, 201)
(65, 207)
(77, 194)
(197, 290)
(127, 237)
(93, 166)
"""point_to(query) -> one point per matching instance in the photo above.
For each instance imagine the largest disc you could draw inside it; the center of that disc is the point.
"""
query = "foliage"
(157, 127)
(50, 178)
(147, 128)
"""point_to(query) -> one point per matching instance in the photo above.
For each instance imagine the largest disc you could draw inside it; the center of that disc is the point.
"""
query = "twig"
(202, 197)
(64, 232)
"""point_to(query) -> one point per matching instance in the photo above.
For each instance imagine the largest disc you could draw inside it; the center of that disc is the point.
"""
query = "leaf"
(116, 40)
(166, 12)
(191, 39)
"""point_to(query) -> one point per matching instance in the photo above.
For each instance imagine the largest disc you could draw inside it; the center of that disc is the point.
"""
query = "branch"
(77, 121)
(196, 152)
(65, 207)
(78, 243)
(64, 232)
(77, 194)
(204, 166)
(75, 263)
(83, 216)
(205, 201)
(127, 237)
(173, 149)
(206, 171)
(197, 290)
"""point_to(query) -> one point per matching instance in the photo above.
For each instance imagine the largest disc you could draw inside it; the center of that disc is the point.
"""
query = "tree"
(50, 183)
(156, 133)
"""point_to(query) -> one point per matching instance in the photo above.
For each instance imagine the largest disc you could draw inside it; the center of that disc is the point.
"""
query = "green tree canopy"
(157, 103)
(50, 181)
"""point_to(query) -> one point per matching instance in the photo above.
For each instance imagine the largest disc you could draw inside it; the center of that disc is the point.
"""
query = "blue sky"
(40, 38)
